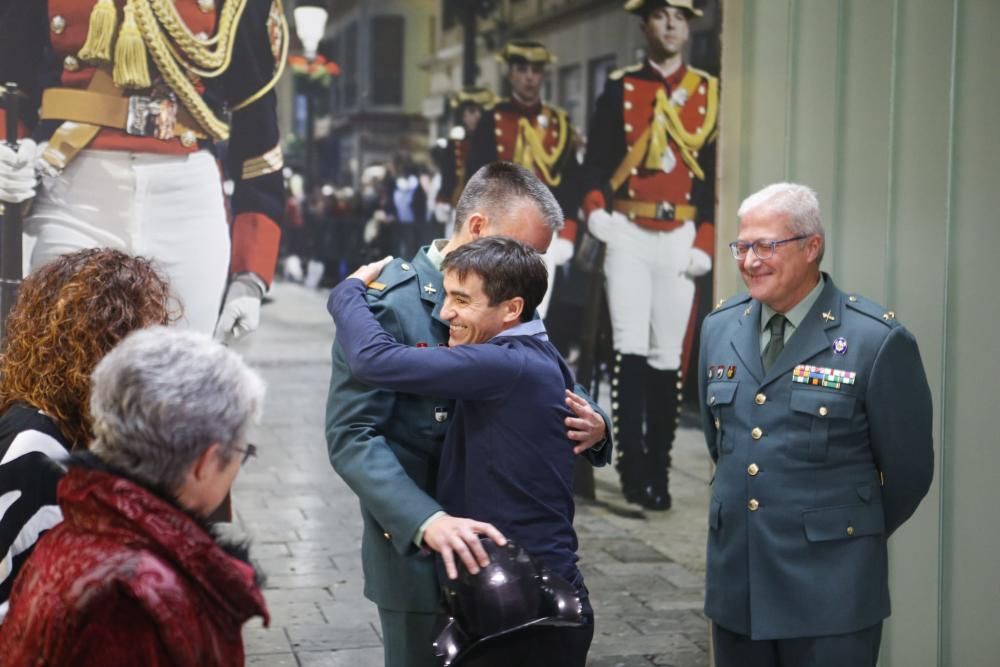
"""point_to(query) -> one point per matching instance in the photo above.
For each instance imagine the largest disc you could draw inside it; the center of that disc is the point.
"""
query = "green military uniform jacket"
(387, 446)
(799, 515)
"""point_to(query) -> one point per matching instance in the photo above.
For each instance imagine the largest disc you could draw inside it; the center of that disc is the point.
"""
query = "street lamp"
(310, 24)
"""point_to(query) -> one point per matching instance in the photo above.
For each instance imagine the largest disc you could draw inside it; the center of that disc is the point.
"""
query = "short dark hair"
(507, 267)
(498, 186)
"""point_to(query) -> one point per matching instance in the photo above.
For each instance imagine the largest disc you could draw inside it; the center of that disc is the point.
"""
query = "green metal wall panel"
(971, 587)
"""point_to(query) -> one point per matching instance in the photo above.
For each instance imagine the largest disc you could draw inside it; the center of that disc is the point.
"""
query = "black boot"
(626, 409)
(662, 399)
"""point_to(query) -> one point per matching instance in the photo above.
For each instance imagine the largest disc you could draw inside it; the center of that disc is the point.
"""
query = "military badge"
(730, 372)
(440, 414)
(831, 378)
(421, 345)
(719, 371)
(840, 346)
(711, 372)
(430, 289)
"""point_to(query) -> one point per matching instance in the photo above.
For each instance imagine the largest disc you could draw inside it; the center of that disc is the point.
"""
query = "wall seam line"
(948, 228)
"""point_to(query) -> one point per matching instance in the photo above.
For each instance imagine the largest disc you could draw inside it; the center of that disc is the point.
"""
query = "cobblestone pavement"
(645, 571)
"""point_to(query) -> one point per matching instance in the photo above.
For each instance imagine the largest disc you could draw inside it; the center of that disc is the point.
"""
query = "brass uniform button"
(188, 139)
(387, 535)
(850, 530)
(711, 400)
(753, 469)
(404, 266)
(852, 298)
(206, 5)
(498, 132)
(823, 411)
(760, 399)
(753, 505)
(718, 423)
(71, 64)
(58, 24)
(628, 127)
(756, 433)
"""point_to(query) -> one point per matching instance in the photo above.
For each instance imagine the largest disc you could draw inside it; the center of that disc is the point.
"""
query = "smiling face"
(526, 80)
(666, 30)
(470, 316)
(788, 275)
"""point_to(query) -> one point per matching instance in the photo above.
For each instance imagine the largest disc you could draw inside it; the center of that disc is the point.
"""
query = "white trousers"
(649, 294)
(167, 208)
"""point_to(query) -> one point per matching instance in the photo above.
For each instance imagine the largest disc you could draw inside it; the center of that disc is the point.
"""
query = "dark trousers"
(540, 646)
(407, 637)
(854, 649)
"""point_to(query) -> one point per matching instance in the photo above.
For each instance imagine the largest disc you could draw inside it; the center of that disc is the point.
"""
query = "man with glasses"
(817, 412)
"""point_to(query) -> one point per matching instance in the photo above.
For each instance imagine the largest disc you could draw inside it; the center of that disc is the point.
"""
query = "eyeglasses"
(763, 249)
(249, 453)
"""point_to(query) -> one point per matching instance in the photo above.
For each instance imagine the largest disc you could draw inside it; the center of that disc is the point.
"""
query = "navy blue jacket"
(505, 458)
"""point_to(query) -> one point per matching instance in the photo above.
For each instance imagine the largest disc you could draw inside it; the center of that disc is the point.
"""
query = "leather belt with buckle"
(158, 115)
(656, 211)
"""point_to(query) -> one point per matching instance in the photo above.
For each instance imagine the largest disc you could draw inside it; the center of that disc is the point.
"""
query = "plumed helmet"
(511, 593)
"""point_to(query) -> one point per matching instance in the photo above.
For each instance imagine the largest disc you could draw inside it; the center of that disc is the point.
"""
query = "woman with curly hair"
(68, 315)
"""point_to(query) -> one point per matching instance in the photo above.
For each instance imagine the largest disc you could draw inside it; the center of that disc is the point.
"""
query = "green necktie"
(777, 342)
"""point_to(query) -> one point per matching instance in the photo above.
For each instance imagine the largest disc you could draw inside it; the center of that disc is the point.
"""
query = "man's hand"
(452, 536)
(240, 310)
(17, 171)
(370, 272)
(587, 427)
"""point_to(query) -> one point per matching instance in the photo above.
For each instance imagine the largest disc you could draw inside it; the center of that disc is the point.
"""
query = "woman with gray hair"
(132, 575)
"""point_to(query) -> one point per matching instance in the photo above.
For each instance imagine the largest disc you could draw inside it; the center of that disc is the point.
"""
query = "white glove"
(241, 308)
(699, 263)
(442, 212)
(600, 223)
(17, 172)
(560, 251)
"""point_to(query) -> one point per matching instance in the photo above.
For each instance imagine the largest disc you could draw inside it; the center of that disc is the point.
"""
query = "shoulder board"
(702, 73)
(622, 71)
(731, 302)
(871, 309)
(392, 276)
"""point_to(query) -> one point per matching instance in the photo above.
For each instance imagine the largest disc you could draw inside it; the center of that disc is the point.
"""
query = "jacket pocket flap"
(714, 510)
(721, 393)
(822, 403)
(843, 522)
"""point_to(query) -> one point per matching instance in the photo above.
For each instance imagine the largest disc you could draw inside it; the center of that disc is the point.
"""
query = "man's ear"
(813, 245)
(512, 309)
(476, 225)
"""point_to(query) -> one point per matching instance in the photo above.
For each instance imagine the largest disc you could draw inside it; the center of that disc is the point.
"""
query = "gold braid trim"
(174, 75)
(667, 123)
(280, 65)
(198, 53)
(529, 152)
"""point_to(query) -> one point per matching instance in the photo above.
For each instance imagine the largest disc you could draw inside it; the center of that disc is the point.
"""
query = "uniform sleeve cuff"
(418, 539)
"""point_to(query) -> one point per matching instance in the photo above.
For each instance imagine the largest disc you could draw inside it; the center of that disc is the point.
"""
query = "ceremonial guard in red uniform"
(132, 95)
(537, 136)
(452, 153)
(650, 167)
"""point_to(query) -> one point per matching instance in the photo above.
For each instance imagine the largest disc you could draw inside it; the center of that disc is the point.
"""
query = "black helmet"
(511, 593)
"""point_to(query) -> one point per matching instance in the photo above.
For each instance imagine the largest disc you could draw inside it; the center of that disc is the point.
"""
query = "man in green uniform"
(816, 409)
(387, 446)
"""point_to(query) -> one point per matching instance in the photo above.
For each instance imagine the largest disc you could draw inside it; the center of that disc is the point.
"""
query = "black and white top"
(31, 454)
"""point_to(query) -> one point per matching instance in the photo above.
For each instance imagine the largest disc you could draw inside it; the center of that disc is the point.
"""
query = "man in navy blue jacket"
(505, 460)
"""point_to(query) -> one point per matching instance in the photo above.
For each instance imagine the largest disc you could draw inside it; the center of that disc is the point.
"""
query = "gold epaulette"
(702, 73)
(622, 71)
